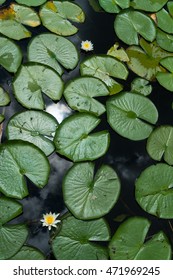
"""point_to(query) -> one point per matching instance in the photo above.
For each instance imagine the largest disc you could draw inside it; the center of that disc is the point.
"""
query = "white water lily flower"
(49, 220)
(87, 46)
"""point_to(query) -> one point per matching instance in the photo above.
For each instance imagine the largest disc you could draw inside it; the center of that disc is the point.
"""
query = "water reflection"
(60, 110)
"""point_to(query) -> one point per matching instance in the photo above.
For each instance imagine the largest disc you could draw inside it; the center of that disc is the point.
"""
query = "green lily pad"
(31, 80)
(1, 118)
(19, 158)
(35, 127)
(90, 196)
(104, 67)
(9, 209)
(154, 190)
(31, 2)
(57, 16)
(28, 253)
(145, 61)
(141, 86)
(79, 95)
(170, 7)
(130, 23)
(166, 79)
(4, 97)
(131, 115)
(118, 53)
(54, 51)
(78, 239)
(160, 144)
(128, 242)
(165, 21)
(164, 40)
(12, 238)
(2, 2)
(13, 18)
(114, 6)
(10, 55)
(73, 138)
(148, 5)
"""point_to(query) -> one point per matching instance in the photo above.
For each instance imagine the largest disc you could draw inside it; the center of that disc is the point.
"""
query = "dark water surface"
(128, 158)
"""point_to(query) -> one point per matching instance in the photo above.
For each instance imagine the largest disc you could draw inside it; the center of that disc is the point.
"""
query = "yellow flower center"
(86, 45)
(49, 220)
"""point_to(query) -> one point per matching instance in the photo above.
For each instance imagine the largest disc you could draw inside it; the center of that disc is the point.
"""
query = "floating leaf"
(12, 238)
(19, 158)
(141, 86)
(72, 138)
(170, 7)
(145, 62)
(131, 115)
(28, 253)
(154, 190)
(54, 51)
(118, 53)
(2, 1)
(90, 196)
(114, 6)
(10, 55)
(164, 40)
(148, 5)
(31, 80)
(1, 118)
(78, 239)
(79, 95)
(130, 23)
(164, 21)
(166, 79)
(128, 242)
(4, 97)
(57, 16)
(13, 18)
(31, 2)
(160, 144)
(35, 127)
(9, 209)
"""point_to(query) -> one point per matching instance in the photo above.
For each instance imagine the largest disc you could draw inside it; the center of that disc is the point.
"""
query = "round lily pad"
(114, 6)
(19, 158)
(54, 51)
(35, 127)
(90, 196)
(148, 5)
(73, 138)
(79, 95)
(130, 23)
(13, 18)
(57, 17)
(9, 209)
(4, 97)
(31, 80)
(141, 86)
(154, 190)
(10, 55)
(78, 240)
(31, 2)
(160, 144)
(128, 242)
(131, 115)
(166, 79)
(28, 253)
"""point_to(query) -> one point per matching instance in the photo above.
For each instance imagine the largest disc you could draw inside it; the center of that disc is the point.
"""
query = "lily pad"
(31, 2)
(118, 53)
(160, 144)
(145, 61)
(35, 127)
(154, 190)
(81, 240)
(148, 5)
(1, 118)
(131, 115)
(57, 16)
(54, 51)
(90, 196)
(104, 67)
(165, 21)
(141, 86)
(10, 55)
(31, 80)
(13, 18)
(73, 138)
(166, 79)
(19, 158)
(4, 97)
(130, 23)
(128, 243)
(164, 40)
(79, 95)
(12, 238)
(114, 6)
(2, 2)
(9, 209)
(28, 253)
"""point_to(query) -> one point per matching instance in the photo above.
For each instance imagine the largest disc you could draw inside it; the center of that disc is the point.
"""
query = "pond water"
(128, 158)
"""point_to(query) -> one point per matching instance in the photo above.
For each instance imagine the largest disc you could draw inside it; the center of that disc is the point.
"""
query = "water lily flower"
(87, 45)
(49, 220)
